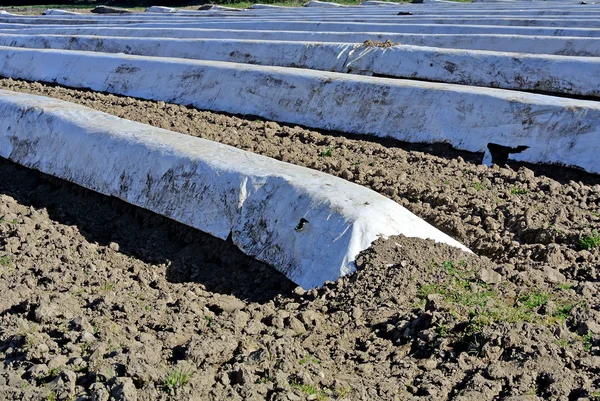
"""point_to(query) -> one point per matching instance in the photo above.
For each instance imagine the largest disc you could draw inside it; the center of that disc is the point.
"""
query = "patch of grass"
(533, 301)
(478, 186)
(51, 396)
(453, 270)
(590, 241)
(478, 305)
(174, 380)
(108, 286)
(326, 153)
(518, 191)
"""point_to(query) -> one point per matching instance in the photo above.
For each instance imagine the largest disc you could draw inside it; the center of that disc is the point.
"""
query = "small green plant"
(343, 392)
(590, 241)
(308, 359)
(561, 342)
(564, 310)
(518, 191)
(587, 341)
(442, 330)
(209, 320)
(478, 186)
(310, 390)
(565, 287)
(85, 348)
(174, 380)
(6, 260)
(264, 378)
(419, 303)
(13, 222)
(51, 396)
(108, 287)
(54, 372)
(326, 153)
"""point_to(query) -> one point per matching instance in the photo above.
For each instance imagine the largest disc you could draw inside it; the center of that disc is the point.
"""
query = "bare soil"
(99, 299)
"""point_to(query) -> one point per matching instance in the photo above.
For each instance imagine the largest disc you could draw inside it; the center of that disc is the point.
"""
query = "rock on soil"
(99, 299)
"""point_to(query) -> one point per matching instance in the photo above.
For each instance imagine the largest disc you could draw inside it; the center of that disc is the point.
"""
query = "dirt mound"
(99, 298)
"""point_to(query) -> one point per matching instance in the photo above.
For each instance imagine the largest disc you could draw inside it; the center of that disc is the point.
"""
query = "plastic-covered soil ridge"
(553, 130)
(258, 202)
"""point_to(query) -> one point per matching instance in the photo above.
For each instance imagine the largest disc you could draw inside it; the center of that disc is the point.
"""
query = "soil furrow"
(99, 297)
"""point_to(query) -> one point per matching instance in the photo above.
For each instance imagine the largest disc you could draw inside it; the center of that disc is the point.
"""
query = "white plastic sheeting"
(259, 6)
(554, 74)
(570, 46)
(555, 130)
(307, 224)
(170, 15)
(53, 11)
(182, 18)
(160, 9)
(335, 26)
(327, 4)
